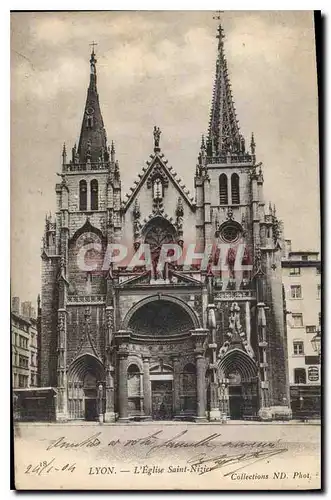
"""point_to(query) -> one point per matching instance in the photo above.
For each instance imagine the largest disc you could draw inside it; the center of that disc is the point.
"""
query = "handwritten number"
(69, 468)
(47, 467)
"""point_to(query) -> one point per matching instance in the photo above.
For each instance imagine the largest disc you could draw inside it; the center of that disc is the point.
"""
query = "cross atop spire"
(93, 71)
(93, 44)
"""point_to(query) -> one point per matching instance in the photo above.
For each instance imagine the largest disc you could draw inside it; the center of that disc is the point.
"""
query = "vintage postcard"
(165, 321)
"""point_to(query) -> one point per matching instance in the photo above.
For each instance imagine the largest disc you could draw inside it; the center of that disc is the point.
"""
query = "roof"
(93, 141)
(224, 134)
(34, 389)
(300, 263)
(25, 319)
(157, 159)
(303, 252)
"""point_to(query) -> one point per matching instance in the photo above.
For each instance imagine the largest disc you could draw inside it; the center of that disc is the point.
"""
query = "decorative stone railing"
(85, 167)
(234, 295)
(231, 158)
(86, 299)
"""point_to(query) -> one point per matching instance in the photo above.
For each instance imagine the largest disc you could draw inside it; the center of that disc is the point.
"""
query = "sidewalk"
(241, 423)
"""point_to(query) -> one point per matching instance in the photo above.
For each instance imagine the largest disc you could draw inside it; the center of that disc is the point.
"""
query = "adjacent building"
(25, 345)
(302, 288)
(169, 340)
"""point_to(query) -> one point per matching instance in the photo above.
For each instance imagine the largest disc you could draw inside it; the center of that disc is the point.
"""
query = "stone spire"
(112, 152)
(224, 135)
(93, 140)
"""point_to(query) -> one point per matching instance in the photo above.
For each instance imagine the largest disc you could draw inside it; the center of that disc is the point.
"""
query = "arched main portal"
(84, 376)
(160, 318)
(161, 315)
(239, 388)
(161, 337)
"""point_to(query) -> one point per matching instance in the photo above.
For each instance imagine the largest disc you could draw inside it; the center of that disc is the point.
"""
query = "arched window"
(223, 189)
(94, 195)
(157, 189)
(89, 121)
(82, 195)
(235, 189)
(300, 376)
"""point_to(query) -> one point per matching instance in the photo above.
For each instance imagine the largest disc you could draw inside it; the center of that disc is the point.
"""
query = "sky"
(158, 68)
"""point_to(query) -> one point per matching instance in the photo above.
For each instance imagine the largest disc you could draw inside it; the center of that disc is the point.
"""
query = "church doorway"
(235, 402)
(239, 395)
(91, 413)
(162, 380)
(162, 400)
(84, 377)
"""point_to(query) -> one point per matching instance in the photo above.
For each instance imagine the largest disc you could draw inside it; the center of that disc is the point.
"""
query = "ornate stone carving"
(157, 173)
(258, 262)
(86, 299)
(110, 325)
(157, 135)
(136, 224)
(234, 295)
(229, 213)
(235, 334)
(179, 220)
(61, 329)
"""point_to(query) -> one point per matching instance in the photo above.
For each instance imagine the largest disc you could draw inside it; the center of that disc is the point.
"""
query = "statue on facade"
(157, 135)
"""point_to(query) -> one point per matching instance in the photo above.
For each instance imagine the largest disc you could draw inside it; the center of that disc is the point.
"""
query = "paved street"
(168, 456)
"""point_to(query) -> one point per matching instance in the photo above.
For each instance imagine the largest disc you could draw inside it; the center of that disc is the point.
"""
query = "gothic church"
(180, 343)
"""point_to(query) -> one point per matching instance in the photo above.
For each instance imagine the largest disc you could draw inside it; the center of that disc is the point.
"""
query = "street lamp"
(316, 342)
(100, 397)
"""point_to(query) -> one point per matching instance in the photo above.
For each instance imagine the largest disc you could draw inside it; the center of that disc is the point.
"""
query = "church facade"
(200, 335)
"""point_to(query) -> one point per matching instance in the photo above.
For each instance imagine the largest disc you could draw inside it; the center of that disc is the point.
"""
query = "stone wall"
(49, 305)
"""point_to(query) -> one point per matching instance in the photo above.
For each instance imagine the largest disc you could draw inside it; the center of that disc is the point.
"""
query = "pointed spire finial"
(93, 72)
(117, 170)
(260, 170)
(64, 154)
(112, 152)
(253, 144)
(203, 151)
(220, 33)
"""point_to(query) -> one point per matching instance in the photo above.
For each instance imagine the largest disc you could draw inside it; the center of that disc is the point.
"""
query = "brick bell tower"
(77, 317)
(247, 355)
